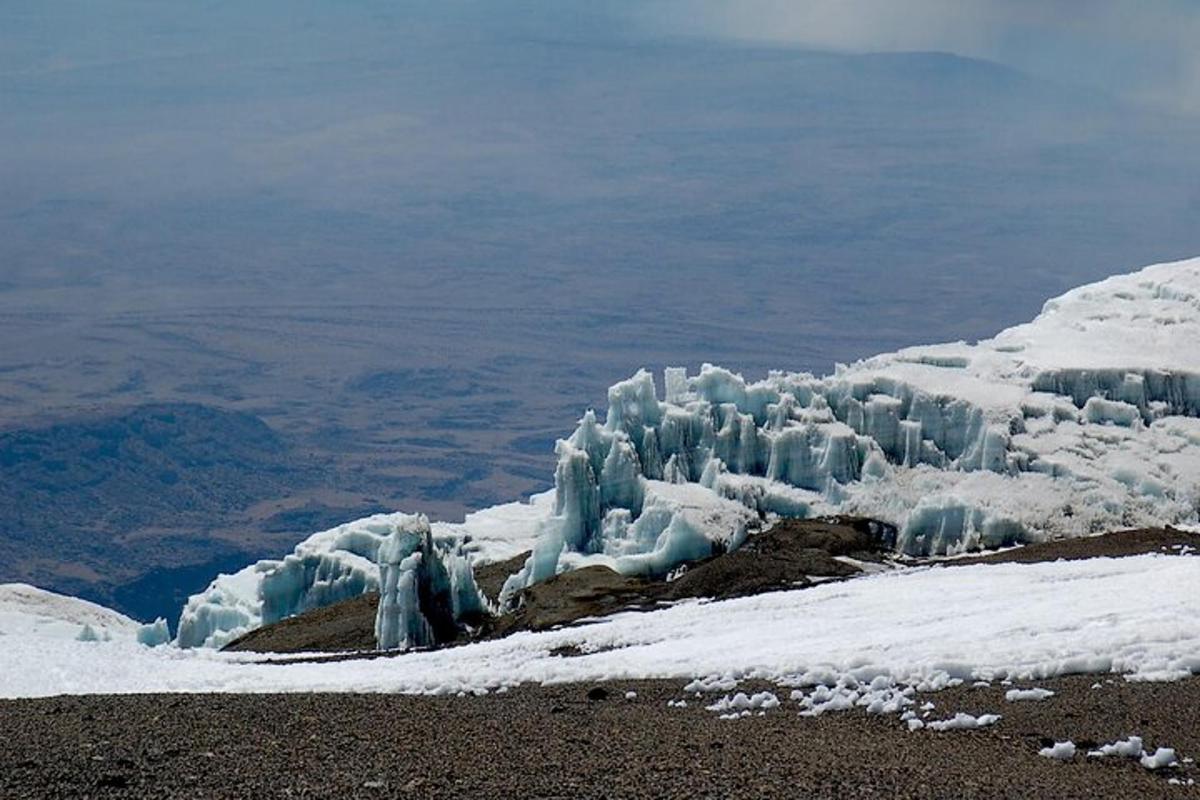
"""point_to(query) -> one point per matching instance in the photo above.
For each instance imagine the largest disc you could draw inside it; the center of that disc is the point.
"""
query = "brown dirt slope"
(342, 627)
(1110, 545)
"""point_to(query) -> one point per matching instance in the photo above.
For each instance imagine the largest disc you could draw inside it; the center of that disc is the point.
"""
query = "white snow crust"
(1060, 751)
(925, 627)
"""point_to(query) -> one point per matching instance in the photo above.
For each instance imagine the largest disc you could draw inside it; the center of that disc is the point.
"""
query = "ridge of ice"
(338, 564)
(1085, 419)
(425, 589)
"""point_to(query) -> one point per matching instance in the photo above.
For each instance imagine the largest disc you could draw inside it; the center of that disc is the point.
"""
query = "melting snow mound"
(27, 611)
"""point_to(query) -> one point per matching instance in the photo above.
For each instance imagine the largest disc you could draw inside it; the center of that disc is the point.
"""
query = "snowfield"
(27, 612)
(1138, 616)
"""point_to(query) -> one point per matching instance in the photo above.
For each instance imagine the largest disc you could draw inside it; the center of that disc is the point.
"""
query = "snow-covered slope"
(27, 612)
(1084, 420)
(1139, 616)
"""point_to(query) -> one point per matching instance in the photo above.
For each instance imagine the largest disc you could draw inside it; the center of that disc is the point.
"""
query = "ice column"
(426, 592)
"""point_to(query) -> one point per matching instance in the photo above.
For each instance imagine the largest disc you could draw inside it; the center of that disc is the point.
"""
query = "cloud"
(1141, 50)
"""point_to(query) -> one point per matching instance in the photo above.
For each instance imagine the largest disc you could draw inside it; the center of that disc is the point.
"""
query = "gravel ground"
(542, 742)
(1167, 541)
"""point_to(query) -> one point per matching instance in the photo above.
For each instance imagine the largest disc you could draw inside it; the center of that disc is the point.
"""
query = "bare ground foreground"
(544, 742)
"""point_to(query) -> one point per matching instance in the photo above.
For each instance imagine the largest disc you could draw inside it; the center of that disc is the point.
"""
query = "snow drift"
(29, 612)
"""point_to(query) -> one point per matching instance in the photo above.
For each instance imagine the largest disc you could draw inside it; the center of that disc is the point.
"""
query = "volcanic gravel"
(1168, 541)
(555, 742)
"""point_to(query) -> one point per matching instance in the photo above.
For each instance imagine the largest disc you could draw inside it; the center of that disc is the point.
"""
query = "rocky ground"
(565, 742)
(1168, 541)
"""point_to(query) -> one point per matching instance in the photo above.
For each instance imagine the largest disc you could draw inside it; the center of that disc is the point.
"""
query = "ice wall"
(343, 562)
(1083, 420)
(327, 567)
(427, 592)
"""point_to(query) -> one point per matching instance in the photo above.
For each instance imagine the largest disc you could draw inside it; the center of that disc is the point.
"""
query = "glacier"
(341, 563)
(1084, 420)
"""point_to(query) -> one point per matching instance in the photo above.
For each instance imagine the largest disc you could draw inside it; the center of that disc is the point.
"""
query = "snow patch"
(27, 611)
(1125, 748)
(1162, 757)
(1061, 751)
(963, 722)
(1018, 695)
(743, 702)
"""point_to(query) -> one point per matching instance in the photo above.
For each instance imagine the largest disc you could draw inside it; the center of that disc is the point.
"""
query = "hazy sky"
(146, 143)
(1140, 49)
(1146, 50)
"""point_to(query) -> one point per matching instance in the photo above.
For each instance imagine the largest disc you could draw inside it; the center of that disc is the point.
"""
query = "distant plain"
(418, 246)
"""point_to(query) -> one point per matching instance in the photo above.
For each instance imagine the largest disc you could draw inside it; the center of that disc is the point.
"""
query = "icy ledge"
(1086, 419)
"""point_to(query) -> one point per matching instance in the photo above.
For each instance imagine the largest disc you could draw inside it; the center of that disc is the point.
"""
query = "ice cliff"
(1085, 419)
